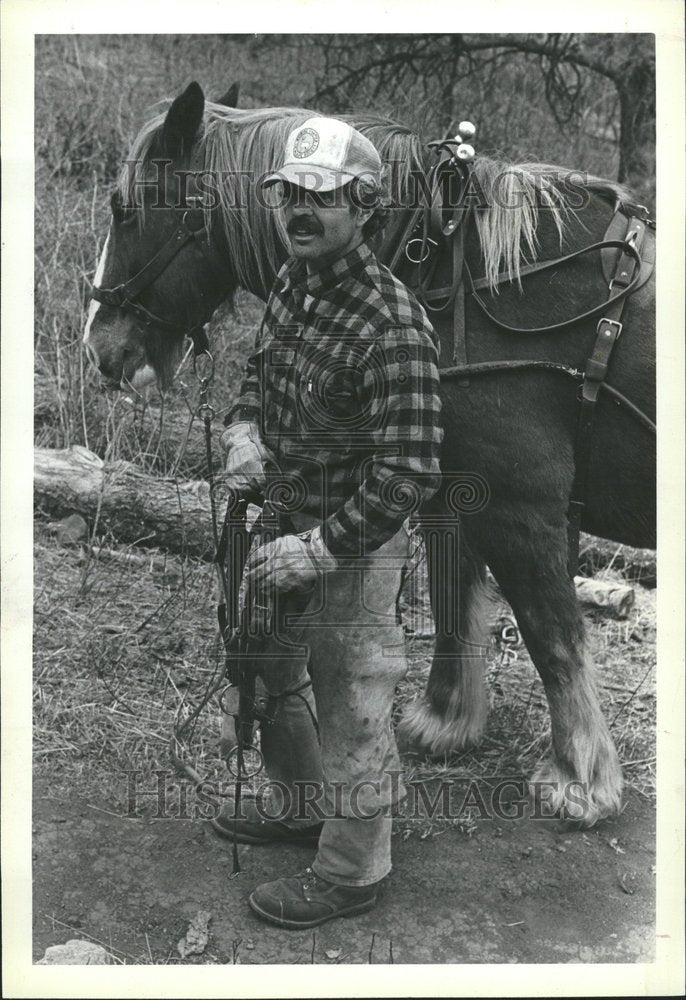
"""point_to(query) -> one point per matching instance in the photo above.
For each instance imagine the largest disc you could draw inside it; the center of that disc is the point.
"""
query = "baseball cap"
(325, 153)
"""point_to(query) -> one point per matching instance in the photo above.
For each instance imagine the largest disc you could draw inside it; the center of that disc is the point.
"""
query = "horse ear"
(183, 120)
(230, 98)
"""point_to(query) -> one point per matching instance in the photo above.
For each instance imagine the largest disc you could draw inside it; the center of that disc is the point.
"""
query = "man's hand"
(292, 562)
(247, 461)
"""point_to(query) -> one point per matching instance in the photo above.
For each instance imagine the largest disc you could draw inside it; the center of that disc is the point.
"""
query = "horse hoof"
(556, 794)
(425, 731)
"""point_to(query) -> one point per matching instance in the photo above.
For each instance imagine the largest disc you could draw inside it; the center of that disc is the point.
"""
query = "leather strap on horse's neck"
(440, 231)
(608, 332)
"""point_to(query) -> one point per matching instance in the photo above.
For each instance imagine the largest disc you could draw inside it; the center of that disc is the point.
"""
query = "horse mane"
(237, 143)
(514, 195)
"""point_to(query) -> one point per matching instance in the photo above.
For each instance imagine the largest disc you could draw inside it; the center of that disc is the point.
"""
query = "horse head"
(163, 270)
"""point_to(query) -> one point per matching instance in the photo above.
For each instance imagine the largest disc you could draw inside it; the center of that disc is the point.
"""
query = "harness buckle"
(610, 322)
(206, 411)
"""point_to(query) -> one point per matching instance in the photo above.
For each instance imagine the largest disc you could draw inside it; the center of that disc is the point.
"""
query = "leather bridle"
(192, 229)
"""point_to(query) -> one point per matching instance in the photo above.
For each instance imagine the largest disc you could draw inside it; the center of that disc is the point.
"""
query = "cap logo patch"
(306, 142)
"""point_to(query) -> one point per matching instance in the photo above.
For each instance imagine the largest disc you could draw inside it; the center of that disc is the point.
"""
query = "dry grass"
(120, 649)
(123, 649)
(518, 733)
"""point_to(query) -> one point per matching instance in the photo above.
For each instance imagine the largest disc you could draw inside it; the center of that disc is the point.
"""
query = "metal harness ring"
(418, 239)
(233, 760)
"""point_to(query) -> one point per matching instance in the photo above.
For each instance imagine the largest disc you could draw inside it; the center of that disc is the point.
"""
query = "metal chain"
(206, 412)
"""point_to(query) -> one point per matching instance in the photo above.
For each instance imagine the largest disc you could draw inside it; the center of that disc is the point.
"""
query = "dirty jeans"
(350, 637)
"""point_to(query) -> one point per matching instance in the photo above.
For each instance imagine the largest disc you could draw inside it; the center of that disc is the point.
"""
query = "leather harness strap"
(620, 256)
(436, 230)
(453, 295)
(629, 255)
(609, 330)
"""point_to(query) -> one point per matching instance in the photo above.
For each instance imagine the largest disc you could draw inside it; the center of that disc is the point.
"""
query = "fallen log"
(117, 498)
(638, 565)
(605, 595)
(160, 438)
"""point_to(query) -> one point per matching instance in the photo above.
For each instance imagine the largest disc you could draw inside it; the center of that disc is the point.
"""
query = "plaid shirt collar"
(296, 276)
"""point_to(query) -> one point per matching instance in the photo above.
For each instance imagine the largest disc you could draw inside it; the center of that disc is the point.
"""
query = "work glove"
(291, 562)
(247, 458)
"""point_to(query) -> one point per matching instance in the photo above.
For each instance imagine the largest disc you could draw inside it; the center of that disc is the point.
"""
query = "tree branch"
(541, 48)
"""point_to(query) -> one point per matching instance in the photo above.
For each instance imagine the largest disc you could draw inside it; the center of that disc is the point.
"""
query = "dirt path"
(524, 891)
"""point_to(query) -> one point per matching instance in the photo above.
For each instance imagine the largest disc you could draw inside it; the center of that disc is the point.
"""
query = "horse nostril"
(109, 366)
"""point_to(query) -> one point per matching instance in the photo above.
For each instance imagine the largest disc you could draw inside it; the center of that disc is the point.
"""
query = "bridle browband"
(193, 229)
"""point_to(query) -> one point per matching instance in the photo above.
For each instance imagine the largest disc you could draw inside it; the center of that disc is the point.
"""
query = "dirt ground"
(122, 647)
(524, 891)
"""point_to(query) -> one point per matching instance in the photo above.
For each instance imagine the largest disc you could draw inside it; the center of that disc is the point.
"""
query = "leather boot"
(306, 900)
(253, 827)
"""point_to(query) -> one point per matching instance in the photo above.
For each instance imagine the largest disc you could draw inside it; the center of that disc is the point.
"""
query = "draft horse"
(189, 226)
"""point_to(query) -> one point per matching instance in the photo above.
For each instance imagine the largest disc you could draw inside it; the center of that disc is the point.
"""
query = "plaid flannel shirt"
(343, 385)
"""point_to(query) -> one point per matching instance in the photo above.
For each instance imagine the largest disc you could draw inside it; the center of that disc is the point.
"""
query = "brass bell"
(467, 130)
(465, 152)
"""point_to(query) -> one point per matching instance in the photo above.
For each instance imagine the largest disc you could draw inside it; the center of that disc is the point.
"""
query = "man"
(341, 395)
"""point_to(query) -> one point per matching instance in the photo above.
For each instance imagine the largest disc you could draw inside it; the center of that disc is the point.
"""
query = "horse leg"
(452, 712)
(528, 555)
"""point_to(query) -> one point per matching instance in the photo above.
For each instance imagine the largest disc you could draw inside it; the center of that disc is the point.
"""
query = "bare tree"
(572, 69)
